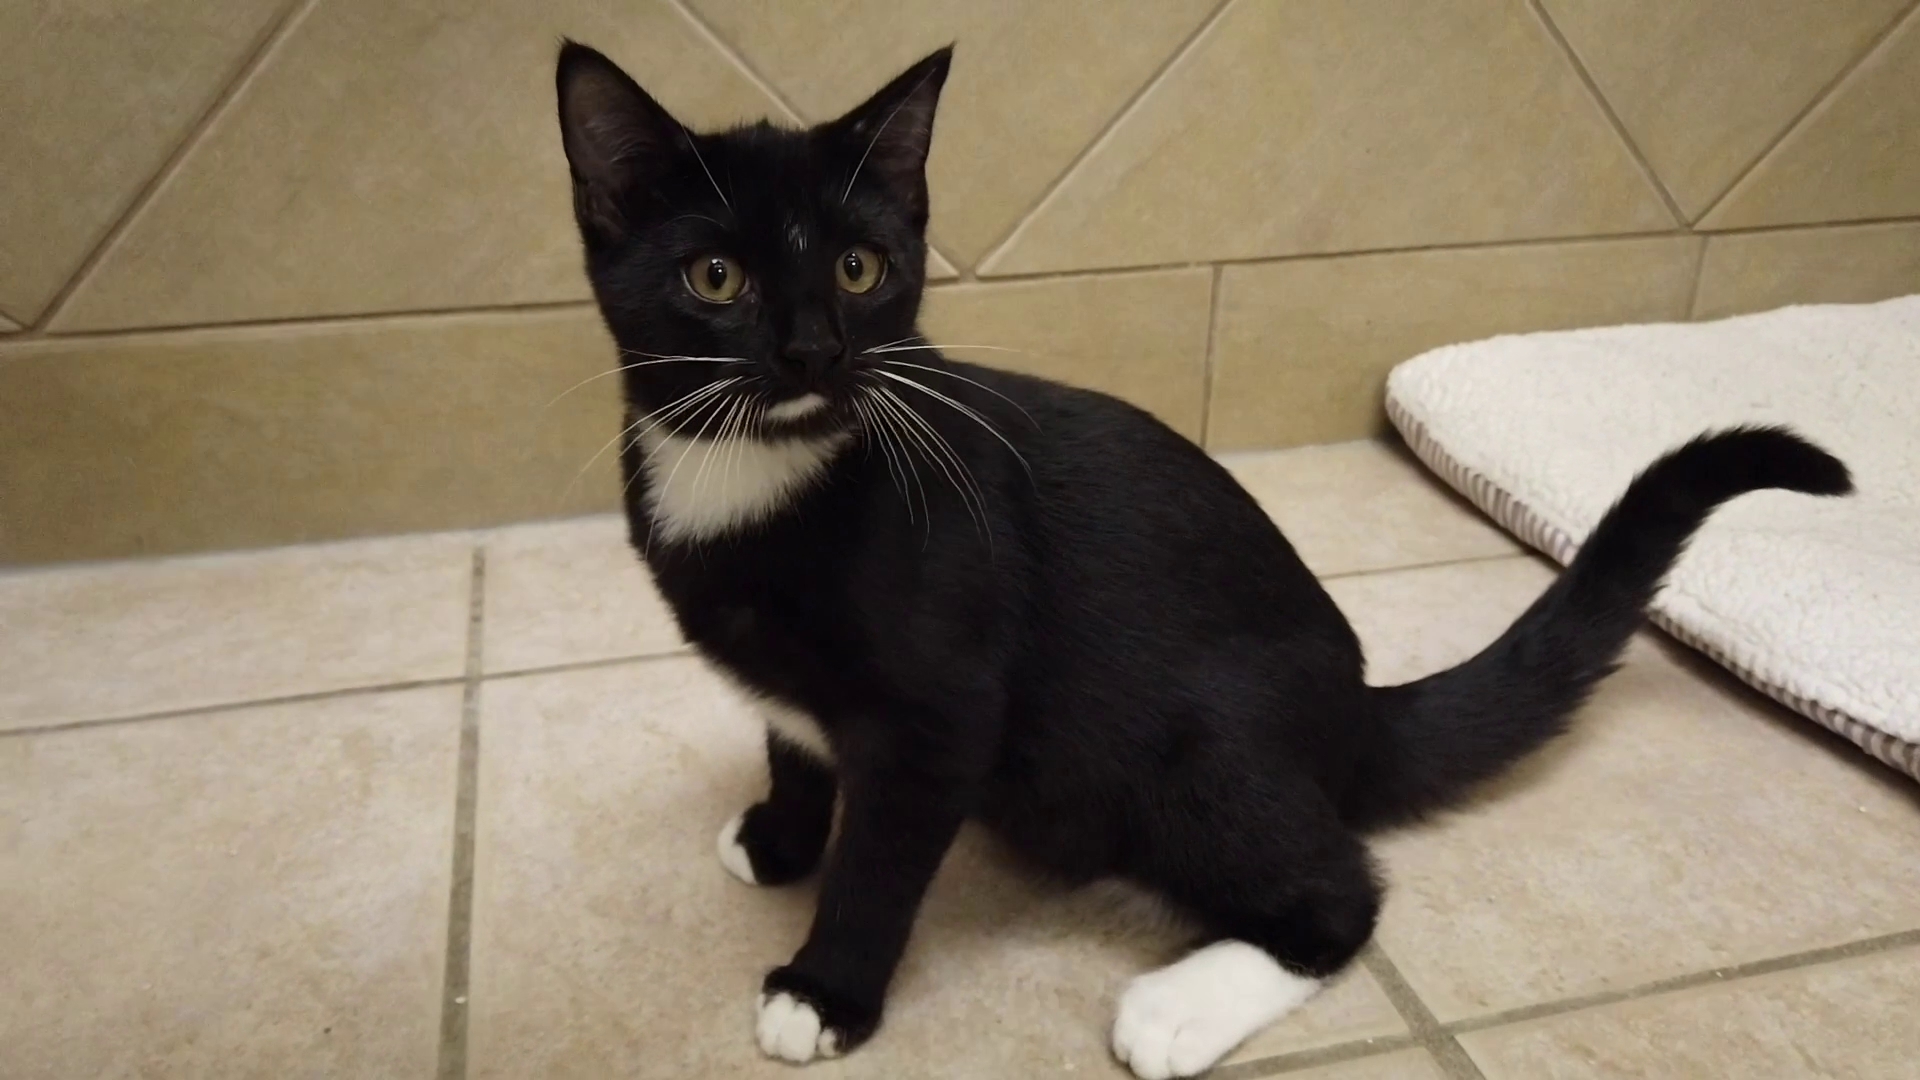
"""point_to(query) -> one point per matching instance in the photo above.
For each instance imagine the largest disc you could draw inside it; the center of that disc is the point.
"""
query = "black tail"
(1441, 735)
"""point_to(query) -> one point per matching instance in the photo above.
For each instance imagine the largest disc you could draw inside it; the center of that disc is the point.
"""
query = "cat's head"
(771, 257)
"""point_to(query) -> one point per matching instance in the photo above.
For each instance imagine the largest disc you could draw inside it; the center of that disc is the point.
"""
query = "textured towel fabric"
(1814, 601)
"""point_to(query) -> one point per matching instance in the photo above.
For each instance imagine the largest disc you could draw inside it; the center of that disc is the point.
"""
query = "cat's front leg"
(896, 825)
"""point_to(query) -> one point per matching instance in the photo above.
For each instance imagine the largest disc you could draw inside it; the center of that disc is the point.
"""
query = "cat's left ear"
(886, 138)
(617, 138)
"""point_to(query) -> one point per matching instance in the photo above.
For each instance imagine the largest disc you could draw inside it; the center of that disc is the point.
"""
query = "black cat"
(967, 594)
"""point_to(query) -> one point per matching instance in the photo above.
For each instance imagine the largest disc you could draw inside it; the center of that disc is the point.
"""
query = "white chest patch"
(701, 488)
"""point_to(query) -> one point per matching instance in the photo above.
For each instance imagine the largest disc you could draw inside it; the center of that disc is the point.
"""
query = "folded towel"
(1816, 602)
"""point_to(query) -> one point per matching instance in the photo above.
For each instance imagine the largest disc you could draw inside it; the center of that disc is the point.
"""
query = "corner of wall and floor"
(280, 270)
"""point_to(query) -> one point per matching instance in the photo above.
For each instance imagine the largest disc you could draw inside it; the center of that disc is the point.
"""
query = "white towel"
(1814, 601)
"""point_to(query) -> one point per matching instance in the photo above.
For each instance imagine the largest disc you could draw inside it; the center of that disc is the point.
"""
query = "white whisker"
(964, 379)
(880, 131)
(964, 410)
(968, 492)
(905, 451)
(641, 364)
(643, 418)
(897, 347)
(875, 435)
(658, 493)
(693, 146)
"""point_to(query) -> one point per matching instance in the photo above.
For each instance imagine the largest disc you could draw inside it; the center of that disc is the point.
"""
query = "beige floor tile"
(251, 436)
(248, 894)
(1704, 87)
(1405, 1065)
(1139, 337)
(1278, 134)
(1849, 1019)
(1851, 158)
(608, 939)
(394, 157)
(1302, 348)
(96, 96)
(122, 639)
(1684, 825)
(1846, 264)
(1366, 505)
(563, 592)
(8, 326)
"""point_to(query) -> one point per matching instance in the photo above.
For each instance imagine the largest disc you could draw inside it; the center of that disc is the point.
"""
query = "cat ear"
(887, 137)
(617, 138)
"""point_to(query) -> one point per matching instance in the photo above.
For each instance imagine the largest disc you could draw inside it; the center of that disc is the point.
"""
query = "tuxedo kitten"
(964, 594)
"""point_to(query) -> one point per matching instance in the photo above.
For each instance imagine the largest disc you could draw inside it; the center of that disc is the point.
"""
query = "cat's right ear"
(617, 138)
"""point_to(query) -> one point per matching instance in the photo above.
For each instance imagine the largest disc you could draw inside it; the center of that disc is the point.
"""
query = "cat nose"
(816, 349)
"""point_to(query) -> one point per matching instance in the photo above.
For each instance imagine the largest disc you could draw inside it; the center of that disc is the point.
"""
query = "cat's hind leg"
(780, 839)
(1287, 897)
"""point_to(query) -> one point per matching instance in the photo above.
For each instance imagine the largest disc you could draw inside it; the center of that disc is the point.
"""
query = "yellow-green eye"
(715, 278)
(859, 269)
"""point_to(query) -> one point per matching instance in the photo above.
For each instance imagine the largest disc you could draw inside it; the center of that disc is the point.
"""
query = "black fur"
(1107, 654)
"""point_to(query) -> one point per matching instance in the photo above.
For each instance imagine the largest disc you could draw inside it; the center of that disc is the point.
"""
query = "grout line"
(250, 66)
(459, 955)
(1606, 109)
(1295, 1060)
(967, 277)
(765, 85)
(1732, 973)
(1821, 97)
(228, 706)
(1100, 138)
(349, 319)
(1321, 256)
(1434, 565)
(589, 665)
(328, 695)
(1206, 368)
(1692, 310)
(1805, 226)
(1427, 1031)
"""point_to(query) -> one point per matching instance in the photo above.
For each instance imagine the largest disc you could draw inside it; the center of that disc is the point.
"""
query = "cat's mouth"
(794, 408)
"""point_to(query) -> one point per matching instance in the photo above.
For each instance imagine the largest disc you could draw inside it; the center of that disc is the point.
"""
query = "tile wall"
(279, 270)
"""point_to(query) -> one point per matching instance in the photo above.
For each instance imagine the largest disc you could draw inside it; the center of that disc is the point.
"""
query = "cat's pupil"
(716, 275)
(855, 267)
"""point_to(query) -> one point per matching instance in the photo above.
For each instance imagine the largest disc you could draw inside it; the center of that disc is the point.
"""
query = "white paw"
(789, 1029)
(733, 855)
(1181, 1019)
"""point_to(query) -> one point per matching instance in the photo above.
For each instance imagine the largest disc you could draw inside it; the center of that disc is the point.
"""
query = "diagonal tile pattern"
(95, 98)
(1031, 84)
(264, 889)
(1705, 87)
(1464, 125)
(393, 157)
(1852, 158)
